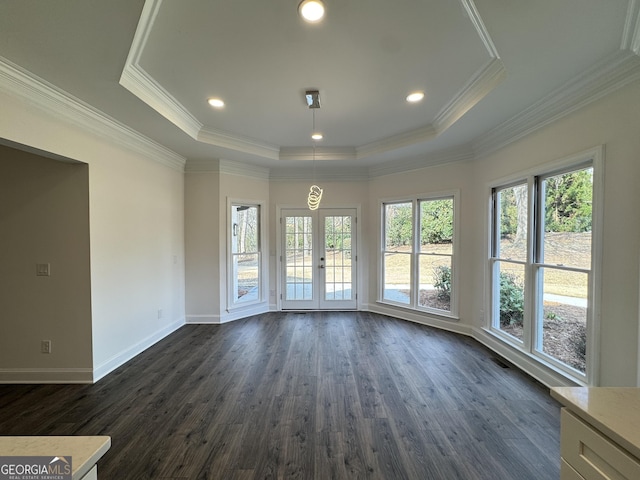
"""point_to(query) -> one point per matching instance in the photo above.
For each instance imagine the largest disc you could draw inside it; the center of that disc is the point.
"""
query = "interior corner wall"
(613, 122)
(249, 189)
(202, 243)
(44, 219)
(136, 228)
(425, 181)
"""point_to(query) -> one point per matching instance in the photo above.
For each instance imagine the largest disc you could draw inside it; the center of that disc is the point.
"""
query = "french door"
(318, 259)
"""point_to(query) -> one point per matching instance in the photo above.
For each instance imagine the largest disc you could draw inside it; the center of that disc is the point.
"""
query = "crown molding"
(34, 90)
(603, 78)
(246, 145)
(320, 153)
(478, 87)
(242, 169)
(397, 141)
(135, 79)
(607, 76)
(449, 156)
(631, 31)
(482, 31)
(346, 174)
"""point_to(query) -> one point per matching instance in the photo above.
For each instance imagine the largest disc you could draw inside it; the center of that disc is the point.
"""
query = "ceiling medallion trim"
(30, 88)
(135, 79)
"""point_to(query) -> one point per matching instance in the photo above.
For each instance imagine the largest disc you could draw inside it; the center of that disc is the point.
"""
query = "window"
(541, 265)
(245, 254)
(418, 254)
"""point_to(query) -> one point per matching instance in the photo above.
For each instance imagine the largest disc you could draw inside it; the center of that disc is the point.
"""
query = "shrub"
(580, 343)
(442, 276)
(511, 300)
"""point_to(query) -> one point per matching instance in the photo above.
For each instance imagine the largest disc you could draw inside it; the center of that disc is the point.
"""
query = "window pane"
(436, 226)
(397, 277)
(246, 268)
(567, 219)
(563, 326)
(245, 226)
(435, 282)
(338, 258)
(397, 229)
(513, 217)
(298, 252)
(510, 298)
(245, 253)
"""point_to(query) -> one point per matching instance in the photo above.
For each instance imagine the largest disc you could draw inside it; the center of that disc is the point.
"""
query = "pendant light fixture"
(315, 192)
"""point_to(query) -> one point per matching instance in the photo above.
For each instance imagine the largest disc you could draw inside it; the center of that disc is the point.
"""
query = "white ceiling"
(491, 69)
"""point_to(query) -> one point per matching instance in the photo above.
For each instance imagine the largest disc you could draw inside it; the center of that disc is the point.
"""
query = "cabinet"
(587, 453)
(599, 433)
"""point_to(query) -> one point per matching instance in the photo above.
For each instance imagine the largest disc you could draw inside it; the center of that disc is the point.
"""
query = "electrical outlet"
(159, 313)
(45, 346)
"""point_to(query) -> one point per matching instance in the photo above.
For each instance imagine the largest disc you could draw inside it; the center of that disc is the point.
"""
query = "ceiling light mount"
(311, 11)
(313, 98)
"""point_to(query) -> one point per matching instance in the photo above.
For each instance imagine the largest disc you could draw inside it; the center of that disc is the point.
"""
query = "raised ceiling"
(490, 69)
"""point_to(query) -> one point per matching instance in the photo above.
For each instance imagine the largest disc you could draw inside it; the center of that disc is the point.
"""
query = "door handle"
(320, 266)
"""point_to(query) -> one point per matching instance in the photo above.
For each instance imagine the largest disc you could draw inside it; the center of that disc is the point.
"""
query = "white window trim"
(594, 156)
(263, 259)
(414, 199)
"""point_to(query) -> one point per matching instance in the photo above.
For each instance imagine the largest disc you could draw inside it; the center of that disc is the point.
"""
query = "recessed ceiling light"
(415, 97)
(216, 102)
(317, 136)
(311, 11)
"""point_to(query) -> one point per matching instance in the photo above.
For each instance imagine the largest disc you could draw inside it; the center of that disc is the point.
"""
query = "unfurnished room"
(320, 239)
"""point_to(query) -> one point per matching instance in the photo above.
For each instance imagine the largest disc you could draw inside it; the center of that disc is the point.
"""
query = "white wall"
(207, 189)
(44, 218)
(202, 241)
(136, 232)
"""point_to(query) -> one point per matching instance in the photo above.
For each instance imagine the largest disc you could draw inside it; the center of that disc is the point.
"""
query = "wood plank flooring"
(322, 395)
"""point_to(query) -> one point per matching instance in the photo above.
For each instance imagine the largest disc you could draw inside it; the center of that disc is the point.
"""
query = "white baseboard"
(423, 319)
(126, 355)
(545, 375)
(203, 319)
(45, 375)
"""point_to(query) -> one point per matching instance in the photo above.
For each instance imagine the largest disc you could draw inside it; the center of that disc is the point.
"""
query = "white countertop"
(612, 410)
(84, 451)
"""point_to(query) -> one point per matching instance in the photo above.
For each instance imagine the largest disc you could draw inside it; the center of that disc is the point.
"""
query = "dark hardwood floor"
(310, 396)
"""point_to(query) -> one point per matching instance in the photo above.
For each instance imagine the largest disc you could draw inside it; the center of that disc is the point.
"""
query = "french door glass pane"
(435, 282)
(563, 326)
(397, 277)
(299, 261)
(338, 285)
(513, 217)
(511, 298)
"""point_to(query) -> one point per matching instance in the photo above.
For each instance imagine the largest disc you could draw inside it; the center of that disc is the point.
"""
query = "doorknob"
(320, 266)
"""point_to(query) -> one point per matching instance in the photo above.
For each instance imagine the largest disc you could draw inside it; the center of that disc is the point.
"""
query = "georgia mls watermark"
(35, 468)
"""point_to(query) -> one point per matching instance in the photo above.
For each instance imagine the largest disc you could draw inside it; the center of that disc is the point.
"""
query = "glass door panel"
(319, 259)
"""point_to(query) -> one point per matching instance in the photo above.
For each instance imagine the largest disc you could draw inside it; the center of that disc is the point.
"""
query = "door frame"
(279, 251)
